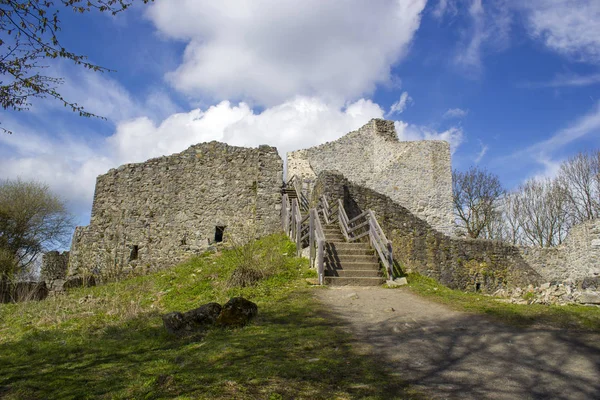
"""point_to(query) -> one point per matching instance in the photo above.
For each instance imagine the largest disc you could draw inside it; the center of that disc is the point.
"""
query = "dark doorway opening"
(219, 233)
(133, 254)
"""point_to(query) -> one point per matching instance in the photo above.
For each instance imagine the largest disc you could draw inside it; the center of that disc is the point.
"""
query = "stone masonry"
(465, 264)
(152, 215)
(577, 259)
(416, 175)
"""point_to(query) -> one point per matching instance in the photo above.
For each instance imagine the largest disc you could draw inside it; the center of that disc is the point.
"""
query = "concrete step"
(355, 281)
(335, 239)
(361, 266)
(343, 258)
(359, 251)
(354, 273)
(341, 246)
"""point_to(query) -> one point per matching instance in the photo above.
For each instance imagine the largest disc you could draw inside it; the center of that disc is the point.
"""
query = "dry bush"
(253, 260)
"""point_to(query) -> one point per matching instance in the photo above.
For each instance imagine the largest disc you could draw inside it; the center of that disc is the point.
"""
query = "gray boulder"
(589, 298)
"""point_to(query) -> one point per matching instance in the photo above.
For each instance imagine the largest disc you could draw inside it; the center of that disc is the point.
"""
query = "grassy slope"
(108, 341)
(569, 317)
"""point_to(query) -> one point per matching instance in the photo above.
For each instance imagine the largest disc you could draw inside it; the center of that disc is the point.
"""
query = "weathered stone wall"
(154, 214)
(54, 265)
(416, 175)
(577, 259)
(464, 264)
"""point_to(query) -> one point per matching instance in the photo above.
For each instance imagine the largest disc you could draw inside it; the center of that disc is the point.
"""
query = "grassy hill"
(109, 342)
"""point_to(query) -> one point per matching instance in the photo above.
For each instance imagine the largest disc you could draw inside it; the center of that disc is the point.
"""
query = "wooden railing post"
(299, 236)
(390, 261)
(285, 218)
(293, 219)
(320, 257)
(311, 235)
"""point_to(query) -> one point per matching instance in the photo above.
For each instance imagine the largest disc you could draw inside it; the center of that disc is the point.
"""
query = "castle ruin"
(155, 214)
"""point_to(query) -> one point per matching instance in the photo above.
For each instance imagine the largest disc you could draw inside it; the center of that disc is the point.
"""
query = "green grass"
(576, 317)
(108, 342)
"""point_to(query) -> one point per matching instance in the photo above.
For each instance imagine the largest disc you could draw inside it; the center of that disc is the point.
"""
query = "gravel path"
(456, 355)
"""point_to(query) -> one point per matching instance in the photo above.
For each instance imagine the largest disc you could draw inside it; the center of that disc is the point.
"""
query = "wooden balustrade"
(308, 229)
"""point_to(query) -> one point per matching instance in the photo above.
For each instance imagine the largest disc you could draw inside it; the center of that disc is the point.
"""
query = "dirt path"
(455, 355)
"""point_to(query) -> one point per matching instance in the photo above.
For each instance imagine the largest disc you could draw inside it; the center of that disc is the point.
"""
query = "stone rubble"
(550, 293)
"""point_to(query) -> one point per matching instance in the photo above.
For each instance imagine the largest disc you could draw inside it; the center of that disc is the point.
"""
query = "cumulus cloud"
(104, 96)
(399, 106)
(570, 28)
(70, 163)
(267, 51)
(456, 113)
(406, 131)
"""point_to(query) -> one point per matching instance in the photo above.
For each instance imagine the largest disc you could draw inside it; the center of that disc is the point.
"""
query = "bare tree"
(476, 194)
(510, 219)
(579, 177)
(29, 31)
(32, 220)
(541, 212)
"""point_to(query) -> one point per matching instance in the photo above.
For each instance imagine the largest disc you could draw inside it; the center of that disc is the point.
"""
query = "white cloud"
(570, 28)
(490, 28)
(100, 94)
(268, 51)
(70, 163)
(545, 152)
(482, 152)
(453, 135)
(569, 80)
(456, 113)
(399, 106)
(583, 126)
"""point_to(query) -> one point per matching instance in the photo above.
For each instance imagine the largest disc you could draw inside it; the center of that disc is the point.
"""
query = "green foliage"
(568, 317)
(108, 341)
(32, 219)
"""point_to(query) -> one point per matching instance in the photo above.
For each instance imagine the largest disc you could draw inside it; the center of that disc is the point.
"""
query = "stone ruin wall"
(463, 262)
(152, 215)
(416, 175)
(577, 259)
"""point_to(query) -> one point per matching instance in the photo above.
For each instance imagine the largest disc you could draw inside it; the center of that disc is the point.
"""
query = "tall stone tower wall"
(416, 175)
(154, 214)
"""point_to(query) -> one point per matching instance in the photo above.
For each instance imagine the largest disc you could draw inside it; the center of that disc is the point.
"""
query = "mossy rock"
(237, 312)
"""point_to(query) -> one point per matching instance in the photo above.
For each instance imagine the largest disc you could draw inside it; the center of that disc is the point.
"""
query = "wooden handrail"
(362, 215)
(296, 182)
(302, 228)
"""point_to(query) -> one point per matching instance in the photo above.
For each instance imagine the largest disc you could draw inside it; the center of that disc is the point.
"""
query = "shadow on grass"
(289, 351)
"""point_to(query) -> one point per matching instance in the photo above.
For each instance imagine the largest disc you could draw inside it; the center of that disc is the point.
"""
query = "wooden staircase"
(346, 263)
(344, 251)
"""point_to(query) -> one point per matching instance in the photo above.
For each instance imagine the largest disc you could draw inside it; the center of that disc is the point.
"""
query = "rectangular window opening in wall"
(133, 254)
(219, 233)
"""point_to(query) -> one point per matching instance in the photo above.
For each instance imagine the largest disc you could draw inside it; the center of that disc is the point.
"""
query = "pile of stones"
(236, 313)
(560, 293)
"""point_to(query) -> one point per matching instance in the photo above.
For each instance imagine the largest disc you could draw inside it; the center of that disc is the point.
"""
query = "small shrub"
(244, 276)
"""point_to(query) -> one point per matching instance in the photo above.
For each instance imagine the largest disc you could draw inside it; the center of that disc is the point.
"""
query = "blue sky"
(514, 88)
